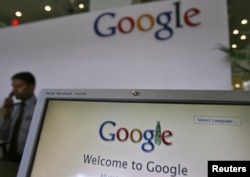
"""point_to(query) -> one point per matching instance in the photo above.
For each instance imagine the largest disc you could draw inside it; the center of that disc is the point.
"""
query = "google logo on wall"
(148, 138)
(128, 24)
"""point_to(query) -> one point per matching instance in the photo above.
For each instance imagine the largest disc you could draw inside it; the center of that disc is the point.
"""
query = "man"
(17, 116)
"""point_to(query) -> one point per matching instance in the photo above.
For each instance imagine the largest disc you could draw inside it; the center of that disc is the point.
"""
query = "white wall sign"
(162, 45)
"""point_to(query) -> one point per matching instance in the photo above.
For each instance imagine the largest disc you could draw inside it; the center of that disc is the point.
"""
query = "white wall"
(67, 53)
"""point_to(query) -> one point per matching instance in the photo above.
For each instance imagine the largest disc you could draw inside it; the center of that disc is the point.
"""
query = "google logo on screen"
(128, 24)
(149, 138)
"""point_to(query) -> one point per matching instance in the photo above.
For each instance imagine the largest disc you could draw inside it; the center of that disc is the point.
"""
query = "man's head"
(23, 85)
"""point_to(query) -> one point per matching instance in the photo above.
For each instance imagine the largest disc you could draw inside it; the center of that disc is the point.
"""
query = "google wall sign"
(163, 20)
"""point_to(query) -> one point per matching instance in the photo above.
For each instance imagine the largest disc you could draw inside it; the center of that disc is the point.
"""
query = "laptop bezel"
(121, 95)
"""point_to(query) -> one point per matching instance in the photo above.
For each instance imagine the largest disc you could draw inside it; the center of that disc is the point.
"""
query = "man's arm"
(7, 109)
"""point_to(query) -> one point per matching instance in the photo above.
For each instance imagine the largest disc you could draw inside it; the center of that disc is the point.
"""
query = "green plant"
(238, 57)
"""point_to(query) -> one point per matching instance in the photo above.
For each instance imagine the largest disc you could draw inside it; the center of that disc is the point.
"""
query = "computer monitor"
(128, 133)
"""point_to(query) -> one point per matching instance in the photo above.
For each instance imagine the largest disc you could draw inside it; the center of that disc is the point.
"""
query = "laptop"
(128, 133)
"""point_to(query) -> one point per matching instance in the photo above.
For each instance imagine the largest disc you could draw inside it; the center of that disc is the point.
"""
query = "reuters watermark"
(228, 168)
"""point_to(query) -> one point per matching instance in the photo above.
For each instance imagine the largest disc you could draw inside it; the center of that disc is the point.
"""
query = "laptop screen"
(139, 135)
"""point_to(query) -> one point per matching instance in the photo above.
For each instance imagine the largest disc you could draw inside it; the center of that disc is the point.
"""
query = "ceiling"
(238, 10)
(33, 10)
